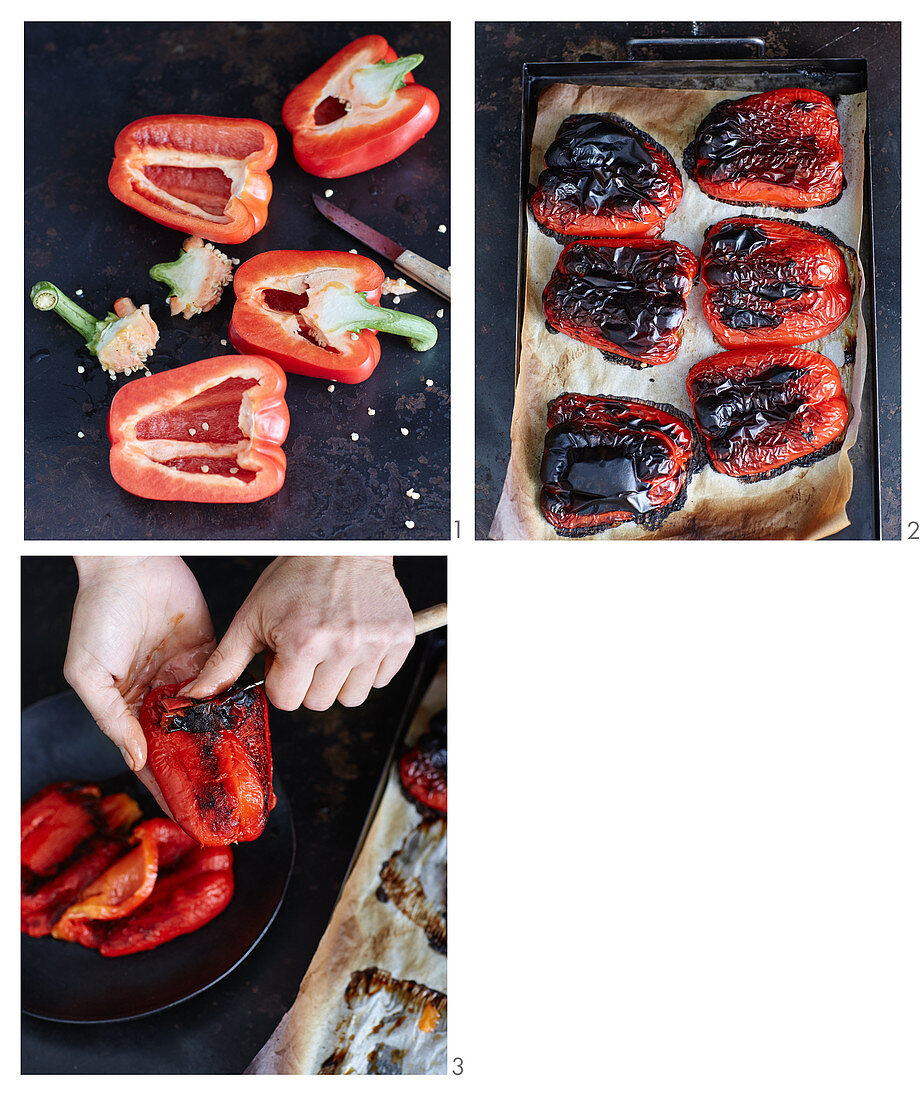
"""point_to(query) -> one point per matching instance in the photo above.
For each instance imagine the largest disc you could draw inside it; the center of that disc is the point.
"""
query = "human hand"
(335, 627)
(138, 622)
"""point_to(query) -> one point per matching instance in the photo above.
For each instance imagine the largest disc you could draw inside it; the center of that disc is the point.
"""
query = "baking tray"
(717, 71)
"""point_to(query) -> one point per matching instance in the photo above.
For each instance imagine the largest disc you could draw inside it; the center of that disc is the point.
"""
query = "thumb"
(235, 651)
(119, 724)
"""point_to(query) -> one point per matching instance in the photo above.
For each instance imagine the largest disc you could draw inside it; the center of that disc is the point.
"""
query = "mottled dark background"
(84, 83)
(329, 764)
(503, 48)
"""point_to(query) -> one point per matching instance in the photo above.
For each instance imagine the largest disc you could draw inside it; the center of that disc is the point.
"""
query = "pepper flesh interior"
(207, 188)
(329, 110)
(285, 301)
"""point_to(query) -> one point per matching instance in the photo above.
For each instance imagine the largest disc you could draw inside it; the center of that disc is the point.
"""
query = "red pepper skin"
(625, 296)
(227, 414)
(605, 178)
(613, 460)
(423, 773)
(770, 282)
(762, 412)
(366, 136)
(171, 168)
(779, 148)
(271, 289)
(214, 765)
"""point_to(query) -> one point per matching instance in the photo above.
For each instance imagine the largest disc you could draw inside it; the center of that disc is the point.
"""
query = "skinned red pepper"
(605, 178)
(613, 460)
(625, 296)
(763, 411)
(203, 175)
(193, 886)
(212, 760)
(423, 770)
(209, 432)
(780, 148)
(360, 109)
(317, 313)
(773, 282)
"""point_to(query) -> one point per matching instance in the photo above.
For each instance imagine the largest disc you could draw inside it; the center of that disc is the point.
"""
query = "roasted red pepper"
(202, 175)
(212, 760)
(193, 885)
(773, 282)
(209, 432)
(762, 412)
(317, 313)
(360, 109)
(779, 148)
(611, 460)
(423, 770)
(605, 178)
(625, 296)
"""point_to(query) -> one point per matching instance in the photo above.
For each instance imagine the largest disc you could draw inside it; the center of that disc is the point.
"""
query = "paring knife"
(424, 271)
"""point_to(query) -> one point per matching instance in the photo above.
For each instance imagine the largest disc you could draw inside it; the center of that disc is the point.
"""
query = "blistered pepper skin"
(780, 148)
(611, 460)
(770, 282)
(423, 771)
(212, 760)
(762, 412)
(605, 178)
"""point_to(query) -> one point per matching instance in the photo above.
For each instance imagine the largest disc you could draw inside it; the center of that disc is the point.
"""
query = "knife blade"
(406, 261)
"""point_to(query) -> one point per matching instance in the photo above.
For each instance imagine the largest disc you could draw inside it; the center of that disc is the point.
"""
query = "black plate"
(67, 982)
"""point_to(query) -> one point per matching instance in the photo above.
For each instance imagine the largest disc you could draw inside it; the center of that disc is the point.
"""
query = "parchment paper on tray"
(802, 503)
(374, 998)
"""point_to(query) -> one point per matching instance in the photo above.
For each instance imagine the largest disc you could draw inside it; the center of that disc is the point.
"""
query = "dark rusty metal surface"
(329, 764)
(84, 82)
(502, 49)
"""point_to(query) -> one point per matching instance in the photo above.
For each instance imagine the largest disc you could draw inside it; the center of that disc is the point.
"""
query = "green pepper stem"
(170, 273)
(46, 295)
(379, 81)
(419, 332)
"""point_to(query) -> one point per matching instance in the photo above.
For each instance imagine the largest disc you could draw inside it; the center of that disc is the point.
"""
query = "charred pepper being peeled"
(773, 282)
(212, 760)
(780, 148)
(612, 460)
(625, 296)
(605, 178)
(762, 412)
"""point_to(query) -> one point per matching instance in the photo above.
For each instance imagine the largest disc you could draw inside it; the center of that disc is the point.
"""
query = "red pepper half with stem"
(212, 760)
(780, 148)
(210, 432)
(613, 460)
(763, 411)
(317, 313)
(625, 296)
(360, 109)
(773, 282)
(200, 174)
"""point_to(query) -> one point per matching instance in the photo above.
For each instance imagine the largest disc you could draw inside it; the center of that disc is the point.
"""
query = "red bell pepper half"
(762, 412)
(779, 148)
(317, 313)
(773, 282)
(625, 296)
(360, 109)
(209, 432)
(605, 178)
(423, 771)
(200, 174)
(613, 460)
(212, 760)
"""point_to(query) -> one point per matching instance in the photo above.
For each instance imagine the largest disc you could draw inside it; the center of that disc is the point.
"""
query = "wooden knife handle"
(431, 618)
(425, 272)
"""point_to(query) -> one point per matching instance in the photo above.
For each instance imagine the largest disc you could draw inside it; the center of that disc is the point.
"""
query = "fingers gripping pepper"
(199, 174)
(122, 341)
(212, 760)
(773, 282)
(196, 279)
(317, 313)
(361, 109)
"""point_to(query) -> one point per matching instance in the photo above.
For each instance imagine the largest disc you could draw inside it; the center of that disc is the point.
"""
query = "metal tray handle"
(694, 49)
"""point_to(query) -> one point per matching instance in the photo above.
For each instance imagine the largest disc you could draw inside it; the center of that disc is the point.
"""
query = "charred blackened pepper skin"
(771, 282)
(605, 178)
(626, 297)
(423, 770)
(762, 412)
(612, 460)
(780, 148)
